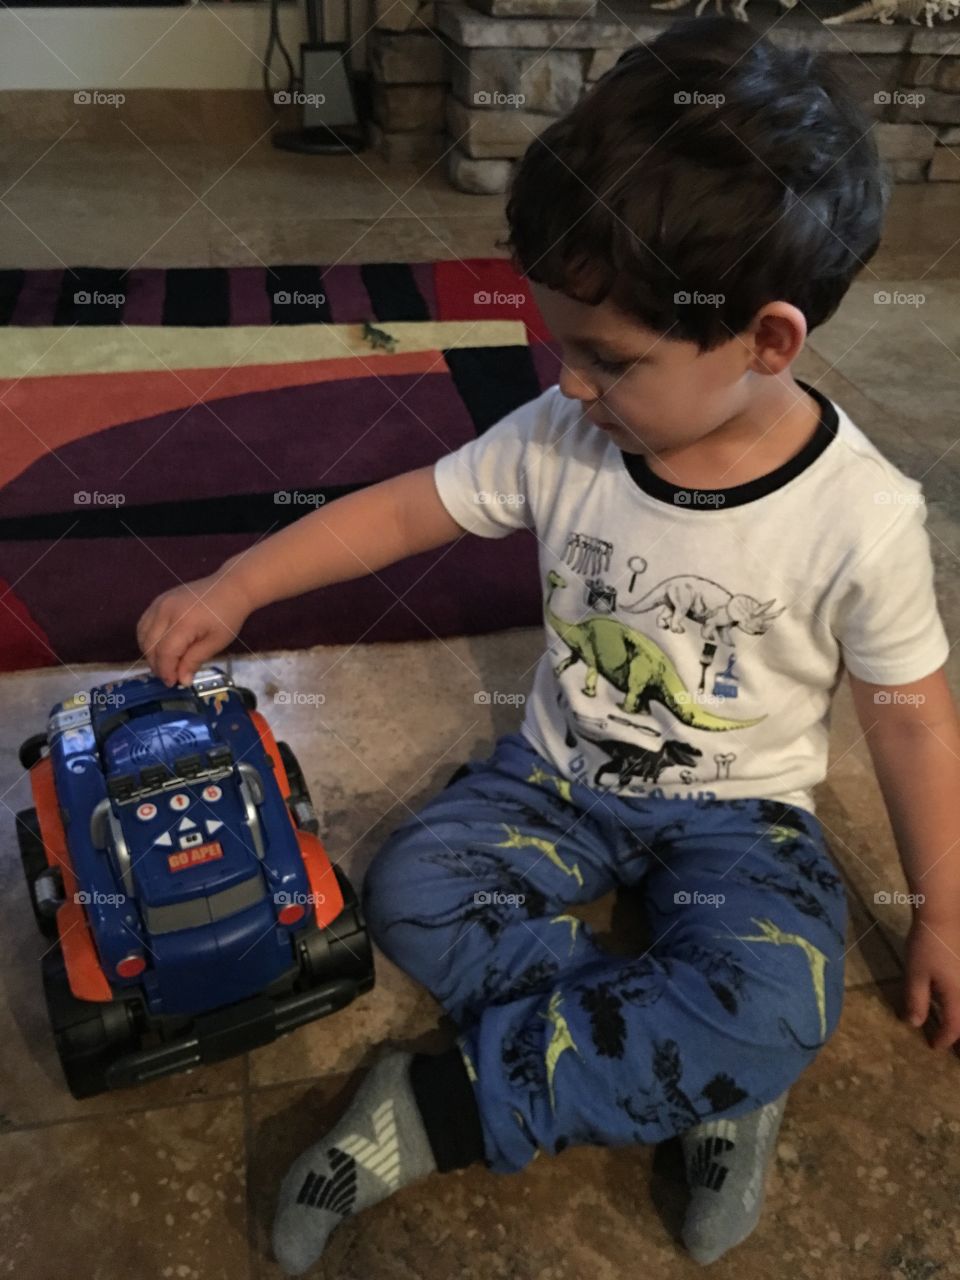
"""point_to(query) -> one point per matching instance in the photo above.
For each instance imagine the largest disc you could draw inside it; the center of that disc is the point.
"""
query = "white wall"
(196, 46)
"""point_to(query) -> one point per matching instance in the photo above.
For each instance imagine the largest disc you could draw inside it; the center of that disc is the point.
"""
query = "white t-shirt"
(694, 638)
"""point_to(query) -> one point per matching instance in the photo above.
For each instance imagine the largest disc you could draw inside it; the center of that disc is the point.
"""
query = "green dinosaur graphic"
(539, 775)
(816, 959)
(632, 663)
(560, 1041)
(517, 840)
(574, 923)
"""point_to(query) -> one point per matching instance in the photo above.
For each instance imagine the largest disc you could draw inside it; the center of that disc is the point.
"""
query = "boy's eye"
(611, 366)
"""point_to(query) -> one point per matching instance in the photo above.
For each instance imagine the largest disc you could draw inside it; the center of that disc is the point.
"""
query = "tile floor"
(176, 1179)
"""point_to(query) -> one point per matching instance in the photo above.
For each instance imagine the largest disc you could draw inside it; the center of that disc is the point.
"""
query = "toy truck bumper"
(235, 1029)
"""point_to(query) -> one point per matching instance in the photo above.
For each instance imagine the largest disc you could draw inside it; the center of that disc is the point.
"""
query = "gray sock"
(726, 1163)
(378, 1146)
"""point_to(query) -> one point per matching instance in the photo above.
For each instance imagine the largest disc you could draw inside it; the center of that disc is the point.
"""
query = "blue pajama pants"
(566, 1043)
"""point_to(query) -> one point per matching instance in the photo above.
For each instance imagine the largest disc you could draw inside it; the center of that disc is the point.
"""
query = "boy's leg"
(727, 1160)
(733, 1000)
(468, 897)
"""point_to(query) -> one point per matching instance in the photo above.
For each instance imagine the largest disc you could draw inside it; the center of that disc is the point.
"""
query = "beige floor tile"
(156, 1195)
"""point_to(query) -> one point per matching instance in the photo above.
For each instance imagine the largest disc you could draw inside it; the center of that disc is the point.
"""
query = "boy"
(717, 542)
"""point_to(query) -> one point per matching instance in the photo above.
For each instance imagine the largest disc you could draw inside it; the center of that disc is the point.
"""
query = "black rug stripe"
(393, 291)
(493, 381)
(11, 282)
(95, 285)
(295, 284)
(236, 513)
(197, 296)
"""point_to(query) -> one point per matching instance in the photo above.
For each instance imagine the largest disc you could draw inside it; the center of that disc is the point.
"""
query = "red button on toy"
(212, 793)
(179, 801)
(146, 811)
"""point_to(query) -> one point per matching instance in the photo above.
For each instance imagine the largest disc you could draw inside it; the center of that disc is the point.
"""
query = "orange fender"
(84, 971)
(272, 750)
(328, 900)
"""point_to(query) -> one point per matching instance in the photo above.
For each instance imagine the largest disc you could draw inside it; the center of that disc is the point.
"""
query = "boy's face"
(650, 393)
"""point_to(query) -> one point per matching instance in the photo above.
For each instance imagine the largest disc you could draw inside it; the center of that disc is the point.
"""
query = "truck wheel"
(32, 749)
(342, 949)
(300, 803)
(35, 865)
(89, 1035)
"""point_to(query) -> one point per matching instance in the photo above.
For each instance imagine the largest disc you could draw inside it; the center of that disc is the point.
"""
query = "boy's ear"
(779, 332)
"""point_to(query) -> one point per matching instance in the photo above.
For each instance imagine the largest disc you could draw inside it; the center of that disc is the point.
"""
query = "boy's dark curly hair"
(651, 186)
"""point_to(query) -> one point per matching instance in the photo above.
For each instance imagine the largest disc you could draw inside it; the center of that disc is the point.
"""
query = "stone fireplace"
(474, 84)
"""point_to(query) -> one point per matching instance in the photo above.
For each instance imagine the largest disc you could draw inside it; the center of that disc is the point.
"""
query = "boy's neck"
(767, 434)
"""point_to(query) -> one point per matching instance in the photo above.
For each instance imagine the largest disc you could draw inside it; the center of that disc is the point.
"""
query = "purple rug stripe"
(347, 295)
(145, 290)
(424, 276)
(249, 299)
(37, 303)
(546, 361)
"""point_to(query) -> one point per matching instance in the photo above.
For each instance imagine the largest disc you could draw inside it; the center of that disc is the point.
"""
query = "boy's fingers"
(193, 658)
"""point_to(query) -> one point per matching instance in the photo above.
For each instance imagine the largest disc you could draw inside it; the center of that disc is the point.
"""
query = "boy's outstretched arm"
(913, 733)
(351, 537)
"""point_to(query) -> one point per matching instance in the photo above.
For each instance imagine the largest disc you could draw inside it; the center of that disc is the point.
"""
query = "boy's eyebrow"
(617, 352)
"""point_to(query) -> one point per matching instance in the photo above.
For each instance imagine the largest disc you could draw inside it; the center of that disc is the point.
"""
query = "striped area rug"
(150, 419)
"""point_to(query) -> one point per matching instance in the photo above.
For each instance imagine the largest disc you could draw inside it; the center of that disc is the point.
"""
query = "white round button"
(146, 811)
(179, 802)
(212, 793)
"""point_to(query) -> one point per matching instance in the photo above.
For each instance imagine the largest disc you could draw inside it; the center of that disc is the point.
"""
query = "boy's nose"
(575, 387)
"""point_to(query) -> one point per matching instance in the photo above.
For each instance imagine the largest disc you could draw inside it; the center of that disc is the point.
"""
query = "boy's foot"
(378, 1146)
(726, 1163)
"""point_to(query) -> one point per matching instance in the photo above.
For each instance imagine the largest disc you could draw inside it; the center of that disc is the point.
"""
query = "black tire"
(342, 949)
(32, 749)
(248, 696)
(300, 803)
(34, 861)
(90, 1035)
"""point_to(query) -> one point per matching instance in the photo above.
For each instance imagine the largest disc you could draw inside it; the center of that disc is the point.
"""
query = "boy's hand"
(185, 626)
(933, 962)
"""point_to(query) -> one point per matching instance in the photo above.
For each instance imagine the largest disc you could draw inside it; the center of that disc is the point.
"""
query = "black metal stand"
(329, 139)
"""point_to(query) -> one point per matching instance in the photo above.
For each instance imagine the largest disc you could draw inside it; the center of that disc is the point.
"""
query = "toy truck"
(173, 859)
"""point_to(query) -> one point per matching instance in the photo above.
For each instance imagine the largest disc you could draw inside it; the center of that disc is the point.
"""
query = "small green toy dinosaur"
(377, 337)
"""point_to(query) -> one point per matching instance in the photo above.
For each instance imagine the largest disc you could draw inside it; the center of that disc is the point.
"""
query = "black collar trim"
(739, 494)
